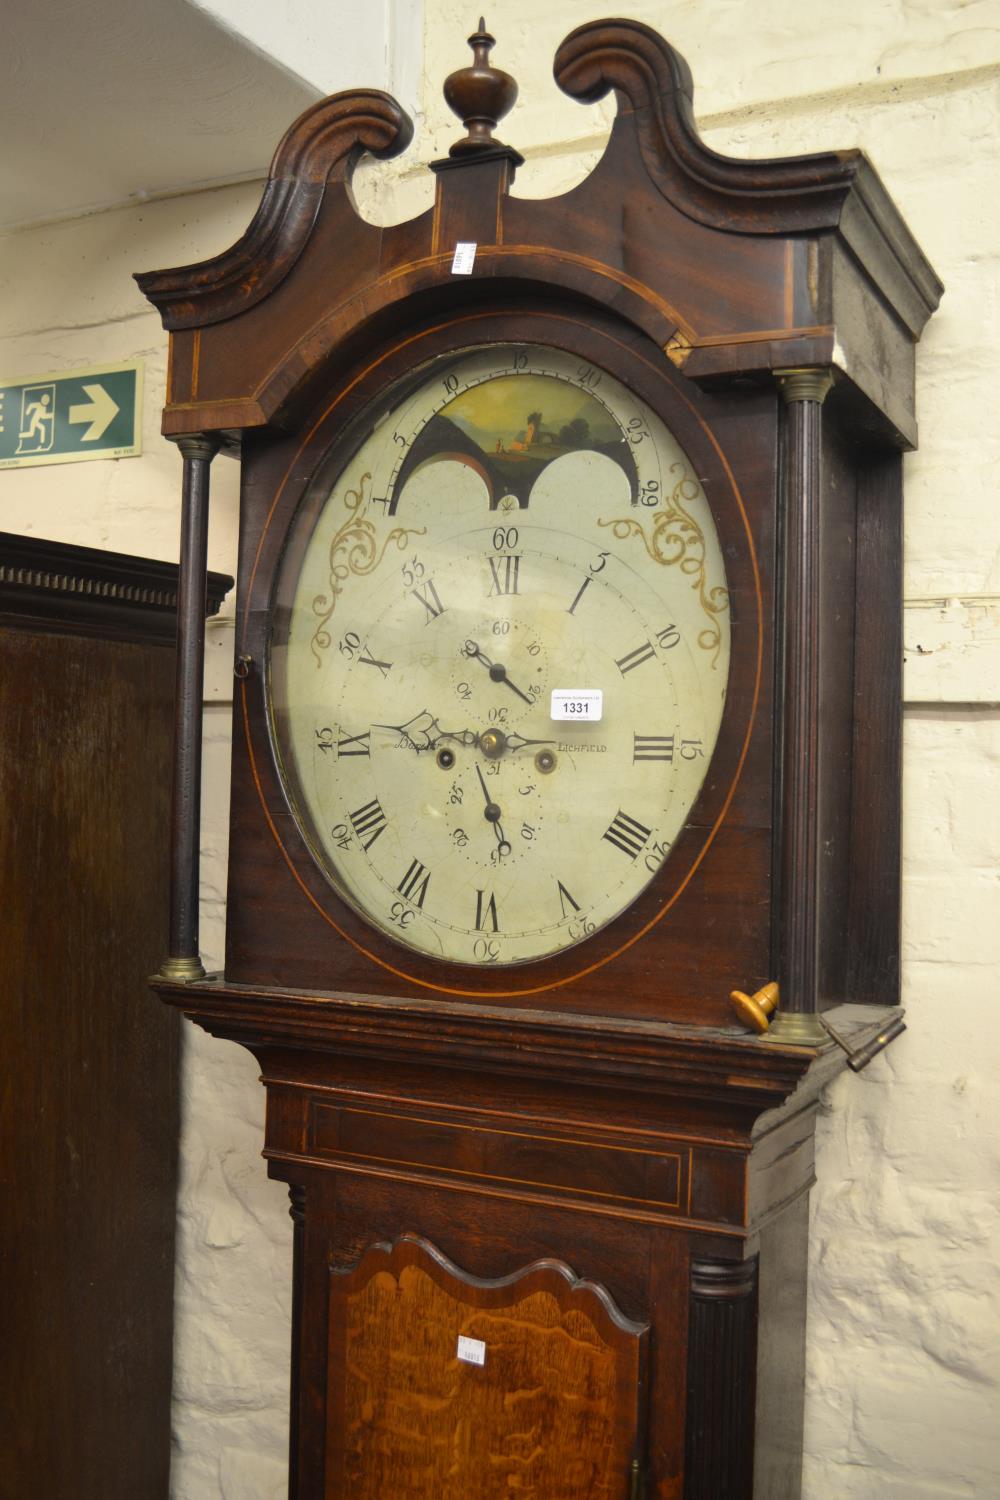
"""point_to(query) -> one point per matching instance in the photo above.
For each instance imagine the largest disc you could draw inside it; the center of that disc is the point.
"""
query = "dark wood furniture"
(468, 1145)
(89, 1105)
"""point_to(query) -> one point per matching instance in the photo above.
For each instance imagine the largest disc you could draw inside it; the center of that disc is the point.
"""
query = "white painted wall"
(350, 44)
(904, 1361)
(120, 98)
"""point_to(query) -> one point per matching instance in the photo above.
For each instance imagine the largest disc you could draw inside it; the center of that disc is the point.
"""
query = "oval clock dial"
(499, 653)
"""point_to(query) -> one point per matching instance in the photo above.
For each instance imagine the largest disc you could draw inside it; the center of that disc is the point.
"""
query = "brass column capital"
(811, 383)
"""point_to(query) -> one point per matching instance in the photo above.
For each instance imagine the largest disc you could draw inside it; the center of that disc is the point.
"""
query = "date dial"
(499, 658)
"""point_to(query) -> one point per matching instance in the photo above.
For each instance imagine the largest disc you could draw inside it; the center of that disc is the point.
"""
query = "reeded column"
(804, 392)
(721, 1382)
(297, 1212)
(183, 961)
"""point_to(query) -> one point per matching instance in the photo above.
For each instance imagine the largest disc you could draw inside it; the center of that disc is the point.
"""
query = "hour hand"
(421, 727)
(424, 727)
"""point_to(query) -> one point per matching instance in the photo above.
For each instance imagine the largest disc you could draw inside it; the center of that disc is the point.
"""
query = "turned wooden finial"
(755, 1010)
(480, 95)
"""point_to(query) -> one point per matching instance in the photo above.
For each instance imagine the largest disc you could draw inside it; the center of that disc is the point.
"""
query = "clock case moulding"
(703, 281)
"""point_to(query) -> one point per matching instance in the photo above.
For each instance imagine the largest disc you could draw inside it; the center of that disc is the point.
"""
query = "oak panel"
(553, 1409)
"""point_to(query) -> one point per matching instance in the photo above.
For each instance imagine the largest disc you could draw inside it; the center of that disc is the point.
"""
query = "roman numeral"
(413, 886)
(566, 900)
(486, 909)
(368, 822)
(636, 658)
(360, 742)
(652, 747)
(627, 834)
(507, 584)
(385, 667)
(428, 597)
(579, 595)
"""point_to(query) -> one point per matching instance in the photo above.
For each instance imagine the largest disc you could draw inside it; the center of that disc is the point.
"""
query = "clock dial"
(499, 656)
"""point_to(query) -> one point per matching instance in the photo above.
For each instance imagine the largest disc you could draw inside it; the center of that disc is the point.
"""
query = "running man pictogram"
(38, 414)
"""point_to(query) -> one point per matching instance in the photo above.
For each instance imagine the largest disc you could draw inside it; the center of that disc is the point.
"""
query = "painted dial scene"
(499, 656)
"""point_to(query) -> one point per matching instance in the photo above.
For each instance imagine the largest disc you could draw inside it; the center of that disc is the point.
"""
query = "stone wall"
(904, 1360)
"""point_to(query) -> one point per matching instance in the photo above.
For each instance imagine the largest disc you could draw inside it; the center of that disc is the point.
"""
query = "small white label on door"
(576, 704)
(473, 1351)
(464, 258)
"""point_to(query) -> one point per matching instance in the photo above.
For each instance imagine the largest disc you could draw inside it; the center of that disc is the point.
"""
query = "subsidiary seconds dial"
(499, 654)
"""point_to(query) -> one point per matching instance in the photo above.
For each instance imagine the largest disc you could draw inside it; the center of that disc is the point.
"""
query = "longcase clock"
(567, 708)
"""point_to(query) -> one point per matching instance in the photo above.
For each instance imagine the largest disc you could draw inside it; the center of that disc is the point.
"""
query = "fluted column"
(297, 1212)
(721, 1381)
(183, 961)
(804, 392)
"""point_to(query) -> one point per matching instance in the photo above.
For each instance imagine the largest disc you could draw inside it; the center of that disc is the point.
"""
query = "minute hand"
(518, 742)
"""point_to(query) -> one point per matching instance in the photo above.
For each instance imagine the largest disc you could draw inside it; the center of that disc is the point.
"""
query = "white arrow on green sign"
(71, 416)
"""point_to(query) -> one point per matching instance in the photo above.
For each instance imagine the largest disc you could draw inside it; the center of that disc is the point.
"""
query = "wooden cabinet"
(89, 1103)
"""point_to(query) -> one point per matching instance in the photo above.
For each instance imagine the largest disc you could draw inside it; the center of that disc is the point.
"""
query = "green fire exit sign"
(71, 416)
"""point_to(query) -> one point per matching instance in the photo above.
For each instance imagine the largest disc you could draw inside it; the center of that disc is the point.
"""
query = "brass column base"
(181, 970)
(797, 1029)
